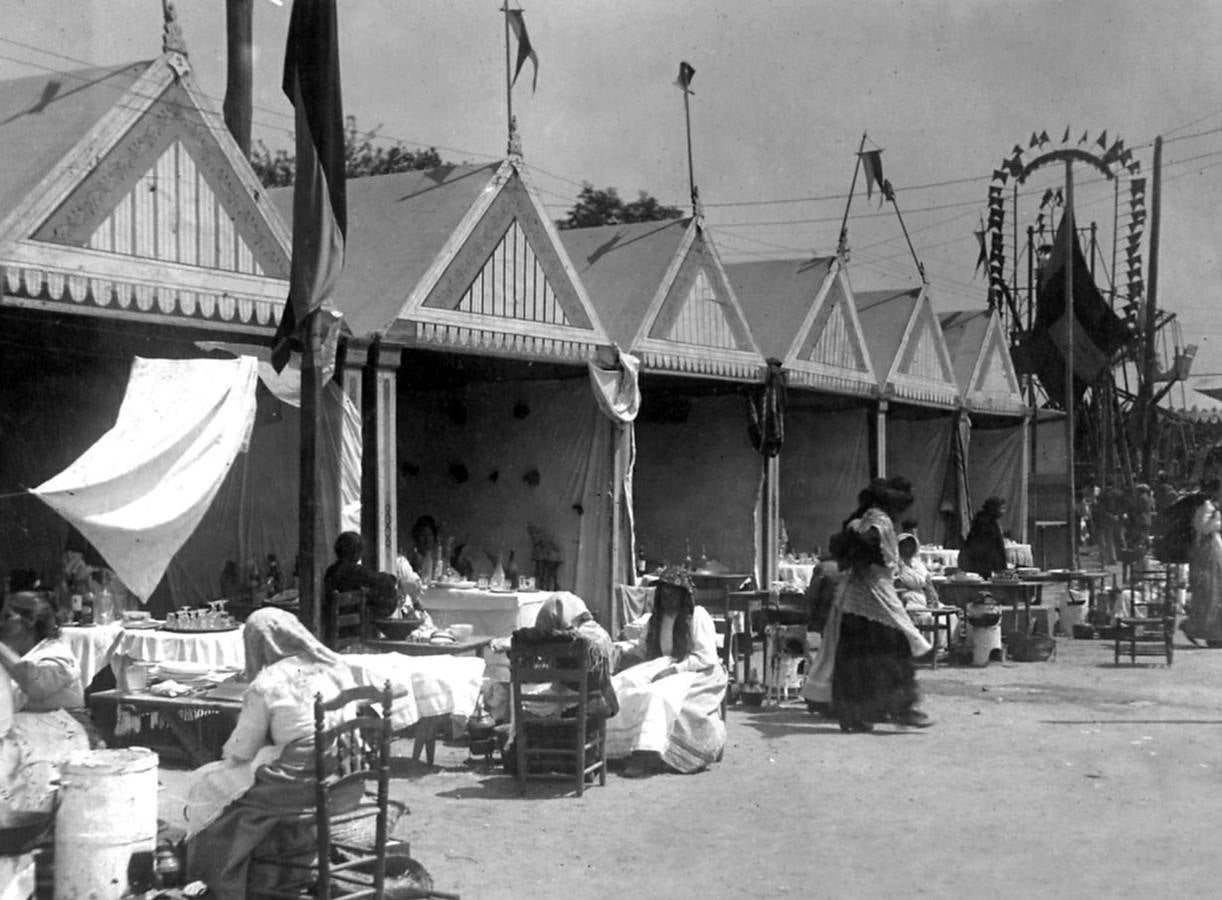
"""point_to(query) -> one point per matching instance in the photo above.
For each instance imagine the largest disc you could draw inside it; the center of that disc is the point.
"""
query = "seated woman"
(41, 683)
(347, 573)
(566, 614)
(267, 766)
(670, 704)
(914, 583)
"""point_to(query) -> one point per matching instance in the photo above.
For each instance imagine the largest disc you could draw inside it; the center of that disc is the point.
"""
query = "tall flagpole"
(1071, 518)
(508, 77)
(691, 169)
(843, 246)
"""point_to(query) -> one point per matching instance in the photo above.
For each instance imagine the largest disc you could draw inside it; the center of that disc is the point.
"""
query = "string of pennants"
(1115, 156)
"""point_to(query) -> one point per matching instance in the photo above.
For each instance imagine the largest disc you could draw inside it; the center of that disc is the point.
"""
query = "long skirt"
(874, 677)
(1204, 622)
(265, 818)
(677, 717)
(817, 688)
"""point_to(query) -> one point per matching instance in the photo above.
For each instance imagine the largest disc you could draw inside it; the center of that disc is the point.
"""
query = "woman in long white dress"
(670, 703)
(267, 765)
(1204, 622)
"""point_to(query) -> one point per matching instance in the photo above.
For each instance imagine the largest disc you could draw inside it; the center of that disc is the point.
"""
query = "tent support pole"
(311, 557)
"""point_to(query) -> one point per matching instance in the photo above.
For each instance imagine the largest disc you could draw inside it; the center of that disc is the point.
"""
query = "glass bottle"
(640, 560)
(511, 572)
(497, 581)
(275, 578)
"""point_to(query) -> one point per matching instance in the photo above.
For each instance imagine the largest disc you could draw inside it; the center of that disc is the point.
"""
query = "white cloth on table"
(277, 708)
(678, 716)
(424, 686)
(93, 647)
(1019, 555)
(220, 649)
(492, 613)
(799, 574)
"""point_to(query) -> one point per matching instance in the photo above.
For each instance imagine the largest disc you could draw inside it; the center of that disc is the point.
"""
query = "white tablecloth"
(490, 613)
(939, 557)
(1019, 554)
(426, 685)
(797, 573)
(222, 649)
(93, 647)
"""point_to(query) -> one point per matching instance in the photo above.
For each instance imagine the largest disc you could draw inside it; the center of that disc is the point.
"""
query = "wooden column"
(878, 433)
(313, 554)
(770, 521)
(380, 457)
(1024, 484)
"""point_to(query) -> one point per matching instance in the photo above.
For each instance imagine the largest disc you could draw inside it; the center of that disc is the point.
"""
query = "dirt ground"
(1071, 778)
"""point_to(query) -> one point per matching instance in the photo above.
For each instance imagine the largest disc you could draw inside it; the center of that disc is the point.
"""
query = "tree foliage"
(604, 206)
(363, 157)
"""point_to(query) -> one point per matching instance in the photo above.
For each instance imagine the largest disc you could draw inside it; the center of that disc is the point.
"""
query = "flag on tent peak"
(526, 50)
(686, 71)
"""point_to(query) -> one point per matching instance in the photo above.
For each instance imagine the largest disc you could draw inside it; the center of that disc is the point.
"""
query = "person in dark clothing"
(984, 551)
(347, 573)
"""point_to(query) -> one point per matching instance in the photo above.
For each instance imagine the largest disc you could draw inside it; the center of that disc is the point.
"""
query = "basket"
(360, 831)
(1030, 647)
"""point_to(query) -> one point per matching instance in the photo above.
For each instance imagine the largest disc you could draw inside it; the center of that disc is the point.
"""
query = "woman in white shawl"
(874, 677)
(267, 765)
(670, 704)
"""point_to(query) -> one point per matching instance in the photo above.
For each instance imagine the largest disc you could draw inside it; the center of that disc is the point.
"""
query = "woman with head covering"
(873, 677)
(266, 768)
(670, 703)
(984, 550)
(42, 707)
(1204, 621)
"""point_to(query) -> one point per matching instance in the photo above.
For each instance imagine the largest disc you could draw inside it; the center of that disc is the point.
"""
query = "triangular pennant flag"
(1018, 151)
(684, 81)
(1000, 175)
(1044, 139)
(1035, 140)
(1102, 139)
(1125, 156)
(994, 193)
(982, 257)
(1060, 197)
(1085, 137)
(872, 163)
(1046, 199)
(1137, 186)
(525, 50)
(1065, 139)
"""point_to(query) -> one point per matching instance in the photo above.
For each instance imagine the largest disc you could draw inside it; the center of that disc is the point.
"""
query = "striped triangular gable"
(513, 284)
(172, 214)
(834, 339)
(924, 354)
(703, 317)
(166, 192)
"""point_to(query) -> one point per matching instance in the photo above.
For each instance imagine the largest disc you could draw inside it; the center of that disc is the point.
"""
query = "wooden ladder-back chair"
(557, 746)
(347, 619)
(1149, 628)
(713, 593)
(346, 756)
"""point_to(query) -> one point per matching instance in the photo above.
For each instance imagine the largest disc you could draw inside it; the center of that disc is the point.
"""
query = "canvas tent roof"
(460, 258)
(983, 368)
(907, 347)
(664, 293)
(801, 313)
(138, 204)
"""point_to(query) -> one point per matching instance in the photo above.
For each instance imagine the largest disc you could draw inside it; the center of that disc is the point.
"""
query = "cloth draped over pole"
(140, 491)
(766, 409)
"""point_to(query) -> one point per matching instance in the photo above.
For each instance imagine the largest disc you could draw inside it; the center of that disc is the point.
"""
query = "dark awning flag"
(1098, 332)
(686, 71)
(525, 50)
(320, 208)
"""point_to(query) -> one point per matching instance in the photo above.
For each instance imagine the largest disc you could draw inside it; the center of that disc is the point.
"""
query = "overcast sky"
(783, 93)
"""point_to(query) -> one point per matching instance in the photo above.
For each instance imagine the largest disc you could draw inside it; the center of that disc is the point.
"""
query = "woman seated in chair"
(348, 573)
(914, 583)
(42, 706)
(565, 614)
(267, 765)
(670, 703)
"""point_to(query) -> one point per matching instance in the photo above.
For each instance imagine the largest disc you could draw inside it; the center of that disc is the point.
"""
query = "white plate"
(183, 669)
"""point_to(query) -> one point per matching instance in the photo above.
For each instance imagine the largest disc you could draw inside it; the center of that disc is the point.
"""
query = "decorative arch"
(1112, 159)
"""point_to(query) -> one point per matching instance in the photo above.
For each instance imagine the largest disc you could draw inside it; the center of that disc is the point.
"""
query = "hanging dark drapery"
(766, 408)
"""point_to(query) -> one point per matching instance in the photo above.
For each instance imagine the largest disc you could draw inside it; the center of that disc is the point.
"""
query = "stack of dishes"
(189, 674)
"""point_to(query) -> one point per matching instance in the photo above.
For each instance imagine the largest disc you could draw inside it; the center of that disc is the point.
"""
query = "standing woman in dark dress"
(874, 677)
(984, 551)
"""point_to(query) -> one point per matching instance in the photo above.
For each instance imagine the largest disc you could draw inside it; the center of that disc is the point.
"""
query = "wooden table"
(1004, 593)
(186, 717)
(473, 645)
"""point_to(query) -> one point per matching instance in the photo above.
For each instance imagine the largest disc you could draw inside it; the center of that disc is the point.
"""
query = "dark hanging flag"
(983, 257)
(1035, 140)
(872, 163)
(320, 207)
(525, 50)
(1065, 139)
(1044, 139)
(1085, 137)
(1000, 175)
(1098, 332)
(1102, 139)
(684, 81)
